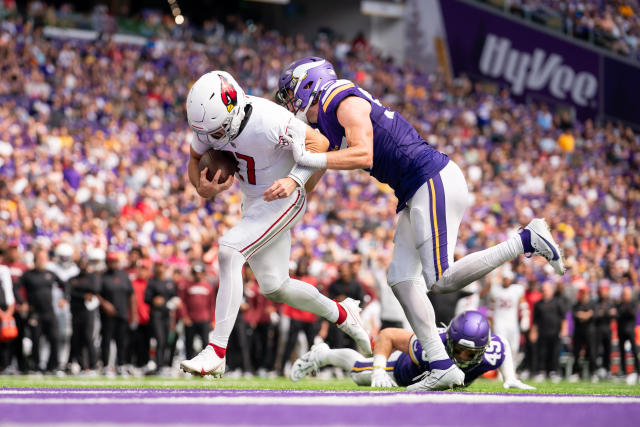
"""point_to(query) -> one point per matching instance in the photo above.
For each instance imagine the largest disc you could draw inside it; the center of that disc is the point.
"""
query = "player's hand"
(280, 189)
(380, 378)
(207, 189)
(517, 384)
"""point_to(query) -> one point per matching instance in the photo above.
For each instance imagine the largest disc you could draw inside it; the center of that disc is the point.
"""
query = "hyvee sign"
(537, 70)
(531, 63)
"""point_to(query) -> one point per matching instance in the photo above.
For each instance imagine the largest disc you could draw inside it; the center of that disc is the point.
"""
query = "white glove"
(304, 157)
(380, 378)
(517, 384)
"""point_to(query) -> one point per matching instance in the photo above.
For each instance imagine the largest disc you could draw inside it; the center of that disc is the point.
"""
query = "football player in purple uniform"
(399, 359)
(431, 190)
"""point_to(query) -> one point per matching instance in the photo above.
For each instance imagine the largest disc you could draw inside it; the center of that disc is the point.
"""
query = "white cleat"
(308, 362)
(544, 244)
(354, 327)
(206, 362)
(439, 379)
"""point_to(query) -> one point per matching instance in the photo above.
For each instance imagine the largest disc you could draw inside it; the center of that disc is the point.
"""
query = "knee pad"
(275, 293)
(229, 256)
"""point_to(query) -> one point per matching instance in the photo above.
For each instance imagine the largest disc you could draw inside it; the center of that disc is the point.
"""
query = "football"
(218, 159)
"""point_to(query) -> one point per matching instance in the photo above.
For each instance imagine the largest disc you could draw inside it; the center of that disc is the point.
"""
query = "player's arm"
(353, 114)
(392, 339)
(388, 341)
(508, 371)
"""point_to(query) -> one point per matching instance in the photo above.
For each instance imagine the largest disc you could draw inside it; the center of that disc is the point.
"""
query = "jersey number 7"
(251, 167)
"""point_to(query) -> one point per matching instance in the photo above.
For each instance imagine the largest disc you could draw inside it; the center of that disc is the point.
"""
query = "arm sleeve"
(507, 369)
(7, 287)
(287, 129)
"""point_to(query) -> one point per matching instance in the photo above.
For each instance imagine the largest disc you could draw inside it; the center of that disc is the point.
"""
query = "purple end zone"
(526, 414)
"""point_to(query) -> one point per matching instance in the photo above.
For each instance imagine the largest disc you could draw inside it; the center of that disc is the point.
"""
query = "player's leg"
(447, 201)
(321, 355)
(271, 267)
(408, 286)
(211, 360)
(436, 212)
(268, 258)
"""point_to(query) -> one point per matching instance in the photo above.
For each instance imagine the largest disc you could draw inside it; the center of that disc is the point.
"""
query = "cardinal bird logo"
(229, 94)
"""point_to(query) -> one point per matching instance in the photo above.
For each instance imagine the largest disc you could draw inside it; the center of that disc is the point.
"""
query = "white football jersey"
(504, 302)
(262, 157)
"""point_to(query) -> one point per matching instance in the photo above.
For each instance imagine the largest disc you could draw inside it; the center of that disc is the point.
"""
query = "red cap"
(112, 256)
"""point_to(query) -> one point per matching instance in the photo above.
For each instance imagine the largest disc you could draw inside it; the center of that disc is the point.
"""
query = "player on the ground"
(431, 190)
(252, 128)
(398, 358)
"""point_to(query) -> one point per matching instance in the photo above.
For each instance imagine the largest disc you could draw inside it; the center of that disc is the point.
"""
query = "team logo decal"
(229, 94)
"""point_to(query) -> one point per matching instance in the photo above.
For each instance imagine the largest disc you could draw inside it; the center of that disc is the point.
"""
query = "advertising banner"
(532, 64)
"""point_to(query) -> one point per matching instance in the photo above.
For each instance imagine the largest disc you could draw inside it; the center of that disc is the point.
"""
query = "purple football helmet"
(468, 335)
(304, 78)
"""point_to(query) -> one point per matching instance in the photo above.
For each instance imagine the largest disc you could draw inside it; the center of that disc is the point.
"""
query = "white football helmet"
(215, 108)
(64, 253)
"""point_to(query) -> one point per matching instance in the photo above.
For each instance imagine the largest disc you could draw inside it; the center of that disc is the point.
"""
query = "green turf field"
(480, 386)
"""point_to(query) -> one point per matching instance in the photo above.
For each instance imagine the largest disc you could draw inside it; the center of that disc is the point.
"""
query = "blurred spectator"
(548, 325)
(505, 297)
(7, 309)
(584, 334)
(300, 321)
(532, 295)
(345, 286)
(259, 317)
(197, 310)
(140, 332)
(161, 296)
(38, 284)
(11, 259)
(444, 305)
(605, 312)
(118, 303)
(627, 314)
(85, 288)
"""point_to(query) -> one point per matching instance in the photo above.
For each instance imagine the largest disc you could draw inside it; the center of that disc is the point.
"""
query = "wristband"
(379, 361)
(301, 174)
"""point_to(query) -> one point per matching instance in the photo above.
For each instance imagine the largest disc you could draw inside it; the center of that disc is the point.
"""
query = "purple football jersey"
(401, 158)
(409, 365)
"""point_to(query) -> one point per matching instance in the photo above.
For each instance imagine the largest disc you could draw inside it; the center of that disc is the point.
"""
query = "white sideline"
(341, 400)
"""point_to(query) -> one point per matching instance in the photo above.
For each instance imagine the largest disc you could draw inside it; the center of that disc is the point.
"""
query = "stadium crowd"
(612, 24)
(105, 240)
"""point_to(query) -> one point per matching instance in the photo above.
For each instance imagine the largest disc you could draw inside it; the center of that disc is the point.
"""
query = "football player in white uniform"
(505, 298)
(253, 129)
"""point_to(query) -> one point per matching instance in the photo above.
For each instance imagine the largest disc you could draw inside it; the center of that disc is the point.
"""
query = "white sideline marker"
(341, 400)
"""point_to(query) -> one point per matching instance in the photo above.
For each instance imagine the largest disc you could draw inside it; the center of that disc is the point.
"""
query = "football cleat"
(438, 379)
(544, 244)
(206, 362)
(353, 326)
(308, 362)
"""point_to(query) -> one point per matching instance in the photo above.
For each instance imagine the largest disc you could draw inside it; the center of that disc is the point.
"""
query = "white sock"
(229, 295)
(303, 296)
(343, 358)
(422, 318)
(476, 265)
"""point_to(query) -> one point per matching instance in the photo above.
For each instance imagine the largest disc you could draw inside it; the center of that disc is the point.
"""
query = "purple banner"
(534, 65)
